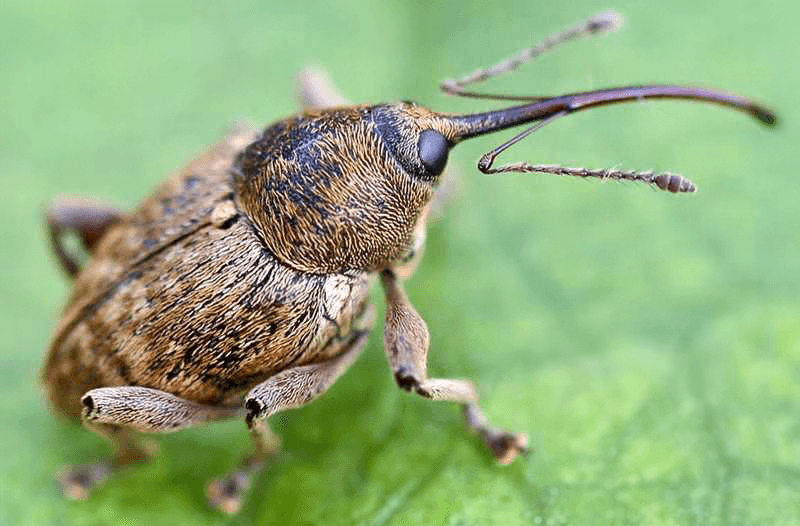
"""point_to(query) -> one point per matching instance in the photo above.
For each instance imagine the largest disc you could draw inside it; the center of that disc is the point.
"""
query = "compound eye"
(433, 150)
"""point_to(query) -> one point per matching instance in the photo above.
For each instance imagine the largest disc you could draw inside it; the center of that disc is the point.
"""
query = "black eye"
(433, 150)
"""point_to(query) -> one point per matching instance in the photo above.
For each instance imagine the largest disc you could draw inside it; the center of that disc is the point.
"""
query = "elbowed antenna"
(605, 22)
(543, 110)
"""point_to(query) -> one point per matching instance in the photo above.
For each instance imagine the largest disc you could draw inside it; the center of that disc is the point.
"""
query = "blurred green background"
(648, 343)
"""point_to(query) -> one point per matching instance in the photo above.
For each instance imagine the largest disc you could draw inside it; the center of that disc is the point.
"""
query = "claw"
(507, 446)
(227, 493)
(78, 482)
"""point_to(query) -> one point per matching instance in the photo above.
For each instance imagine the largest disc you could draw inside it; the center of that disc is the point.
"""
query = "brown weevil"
(240, 287)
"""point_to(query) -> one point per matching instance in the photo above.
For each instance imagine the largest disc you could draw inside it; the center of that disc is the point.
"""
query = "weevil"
(239, 289)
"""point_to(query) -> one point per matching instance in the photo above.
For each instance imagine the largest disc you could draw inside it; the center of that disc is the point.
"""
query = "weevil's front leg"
(406, 341)
(288, 389)
(115, 413)
(90, 219)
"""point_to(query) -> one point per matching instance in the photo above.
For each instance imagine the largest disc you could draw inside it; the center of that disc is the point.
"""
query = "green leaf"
(648, 343)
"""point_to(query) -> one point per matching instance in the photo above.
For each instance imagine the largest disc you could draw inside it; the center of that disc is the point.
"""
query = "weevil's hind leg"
(406, 342)
(90, 219)
(316, 90)
(288, 389)
(116, 414)
(79, 481)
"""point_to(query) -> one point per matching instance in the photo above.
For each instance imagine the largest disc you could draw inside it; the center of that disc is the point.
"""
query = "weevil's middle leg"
(77, 482)
(116, 413)
(406, 341)
(288, 389)
(89, 218)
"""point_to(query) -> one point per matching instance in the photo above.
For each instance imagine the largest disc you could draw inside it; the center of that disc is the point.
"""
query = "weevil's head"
(343, 189)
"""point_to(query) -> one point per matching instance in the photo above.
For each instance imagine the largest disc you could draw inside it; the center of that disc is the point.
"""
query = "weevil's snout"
(549, 108)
